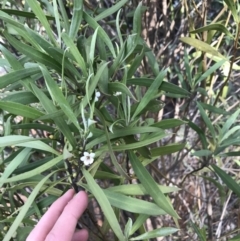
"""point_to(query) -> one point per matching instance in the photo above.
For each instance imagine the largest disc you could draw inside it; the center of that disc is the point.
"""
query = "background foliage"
(147, 90)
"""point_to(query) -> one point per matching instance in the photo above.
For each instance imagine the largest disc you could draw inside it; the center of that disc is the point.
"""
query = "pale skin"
(59, 222)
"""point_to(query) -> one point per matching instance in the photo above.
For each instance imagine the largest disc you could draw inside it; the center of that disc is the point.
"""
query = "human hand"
(59, 222)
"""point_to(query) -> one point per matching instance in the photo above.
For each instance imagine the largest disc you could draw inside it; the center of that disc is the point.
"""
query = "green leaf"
(230, 121)
(200, 133)
(139, 190)
(128, 228)
(167, 124)
(18, 220)
(58, 96)
(160, 232)
(20, 110)
(198, 231)
(202, 153)
(139, 222)
(14, 164)
(42, 18)
(93, 84)
(150, 185)
(214, 26)
(17, 75)
(34, 172)
(206, 120)
(18, 140)
(133, 146)
(137, 21)
(213, 109)
(168, 149)
(115, 7)
(50, 108)
(165, 86)
(123, 133)
(151, 92)
(231, 5)
(104, 204)
(120, 87)
(21, 97)
(101, 33)
(231, 183)
(76, 54)
(210, 71)
(132, 205)
(76, 18)
(202, 46)
(23, 13)
(33, 53)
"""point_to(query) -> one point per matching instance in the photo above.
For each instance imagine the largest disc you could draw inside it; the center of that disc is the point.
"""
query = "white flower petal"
(92, 155)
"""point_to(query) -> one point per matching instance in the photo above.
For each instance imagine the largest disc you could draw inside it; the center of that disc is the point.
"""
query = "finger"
(81, 235)
(66, 224)
(50, 217)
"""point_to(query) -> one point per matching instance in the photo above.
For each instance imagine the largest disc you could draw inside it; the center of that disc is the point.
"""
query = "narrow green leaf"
(33, 53)
(102, 34)
(20, 110)
(168, 149)
(18, 140)
(14, 164)
(21, 97)
(133, 146)
(76, 18)
(213, 109)
(50, 108)
(104, 204)
(228, 180)
(206, 120)
(93, 46)
(139, 190)
(58, 96)
(160, 232)
(202, 46)
(230, 121)
(232, 6)
(74, 50)
(93, 84)
(137, 20)
(23, 13)
(198, 231)
(17, 75)
(34, 172)
(42, 18)
(120, 87)
(151, 92)
(214, 26)
(202, 153)
(122, 133)
(132, 205)
(128, 228)
(18, 220)
(149, 184)
(139, 222)
(210, 71)
(115, 7)
(165, 86)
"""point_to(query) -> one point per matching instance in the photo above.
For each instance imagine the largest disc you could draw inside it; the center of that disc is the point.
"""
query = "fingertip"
(80, 235)
(82, 196)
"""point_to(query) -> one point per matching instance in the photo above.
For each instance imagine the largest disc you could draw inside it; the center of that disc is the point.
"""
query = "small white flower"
(91, 122)
(87, 158)
(97, 95)
(117, 93)
(90, 135)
